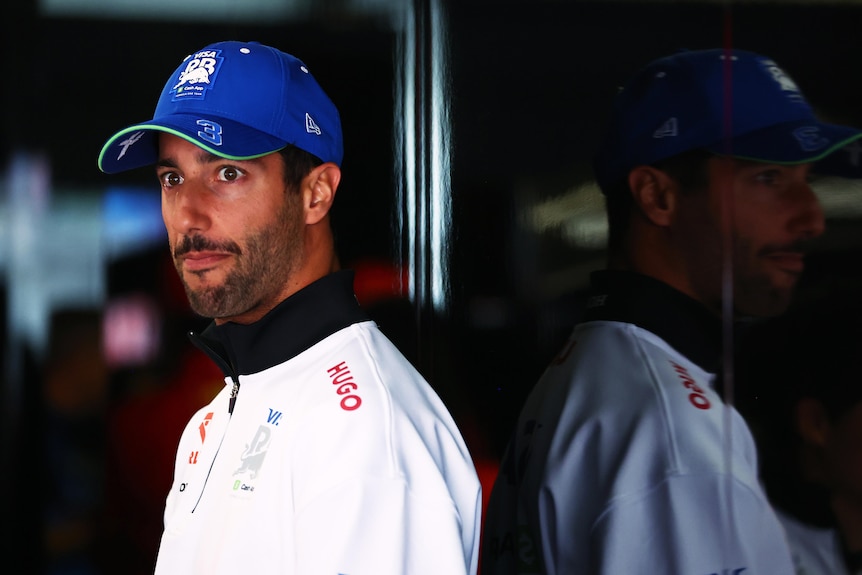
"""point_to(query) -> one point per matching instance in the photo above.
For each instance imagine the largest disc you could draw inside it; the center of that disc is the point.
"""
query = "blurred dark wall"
(530, 83)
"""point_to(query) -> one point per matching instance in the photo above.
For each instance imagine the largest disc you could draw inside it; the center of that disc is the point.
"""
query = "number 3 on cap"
(211, 132)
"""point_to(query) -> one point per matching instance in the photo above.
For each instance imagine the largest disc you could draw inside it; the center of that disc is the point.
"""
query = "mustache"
(802, 246)
(199, 243)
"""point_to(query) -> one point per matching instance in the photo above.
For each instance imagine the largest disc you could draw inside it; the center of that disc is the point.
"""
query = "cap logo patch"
(198, 75)
(809, 138)
(779, 76)
(210, 131)
(311, 126)
(666, 130)
(128, 142)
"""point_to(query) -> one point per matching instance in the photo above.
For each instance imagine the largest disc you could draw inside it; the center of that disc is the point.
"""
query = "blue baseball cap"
(237, 100)
(728, 102)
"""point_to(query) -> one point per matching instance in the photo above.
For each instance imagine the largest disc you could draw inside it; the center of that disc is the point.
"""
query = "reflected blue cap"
(729, 102)
(237, 100)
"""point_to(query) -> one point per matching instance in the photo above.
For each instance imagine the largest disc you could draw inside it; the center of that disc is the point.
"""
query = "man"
(326, 452)
(625, 458)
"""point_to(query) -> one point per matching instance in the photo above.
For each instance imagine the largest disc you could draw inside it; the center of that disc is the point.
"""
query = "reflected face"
(234, 231)
(774, 213)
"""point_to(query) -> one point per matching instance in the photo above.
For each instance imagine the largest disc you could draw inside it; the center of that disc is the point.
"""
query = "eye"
(769, 176)
(230, 174)
(170, 179)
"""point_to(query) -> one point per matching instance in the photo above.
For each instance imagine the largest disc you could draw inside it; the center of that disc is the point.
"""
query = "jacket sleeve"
(692, 524)
(378, 526)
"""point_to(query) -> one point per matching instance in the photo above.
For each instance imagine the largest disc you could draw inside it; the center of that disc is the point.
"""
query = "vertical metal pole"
(422, 138)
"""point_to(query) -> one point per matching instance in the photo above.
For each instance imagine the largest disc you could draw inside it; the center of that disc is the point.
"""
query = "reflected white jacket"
(626, 460)
(337, 458)
(816, 550)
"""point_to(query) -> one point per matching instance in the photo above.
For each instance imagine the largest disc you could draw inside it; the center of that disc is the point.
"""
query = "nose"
(809, 221)
(185, 209)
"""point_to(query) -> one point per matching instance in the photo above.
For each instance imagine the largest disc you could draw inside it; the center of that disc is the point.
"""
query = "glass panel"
(532, 83)
(531, 86)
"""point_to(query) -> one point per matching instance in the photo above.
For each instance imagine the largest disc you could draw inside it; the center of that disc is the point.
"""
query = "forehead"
(173, 149)
(747, 164)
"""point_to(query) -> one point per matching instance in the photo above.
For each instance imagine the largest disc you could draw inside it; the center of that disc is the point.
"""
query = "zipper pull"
(217, 352)
(233, 393)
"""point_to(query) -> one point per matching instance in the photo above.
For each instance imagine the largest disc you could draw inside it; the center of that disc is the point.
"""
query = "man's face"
(235, 233)
(765, 214)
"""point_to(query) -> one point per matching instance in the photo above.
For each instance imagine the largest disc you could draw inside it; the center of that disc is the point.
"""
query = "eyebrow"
(203, 157)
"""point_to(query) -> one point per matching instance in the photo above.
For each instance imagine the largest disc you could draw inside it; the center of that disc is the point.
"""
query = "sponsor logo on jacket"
(252, 457)
(519, 549)
(346, 387)
(202, 428)
(697, 397)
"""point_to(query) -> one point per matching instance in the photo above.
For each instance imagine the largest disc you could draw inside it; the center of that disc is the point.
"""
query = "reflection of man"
(326, 452)
(625, 458)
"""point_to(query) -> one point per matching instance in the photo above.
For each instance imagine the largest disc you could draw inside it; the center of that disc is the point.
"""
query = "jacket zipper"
(234, 391)
(226, 367)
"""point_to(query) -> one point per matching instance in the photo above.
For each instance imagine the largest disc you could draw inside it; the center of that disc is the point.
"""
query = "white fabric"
(294, 483)
(816, 550)
(626, 461)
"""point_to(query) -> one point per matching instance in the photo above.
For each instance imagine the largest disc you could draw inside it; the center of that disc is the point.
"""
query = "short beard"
(262, 269)
(754, 293)
(756, 297)
(228, 299)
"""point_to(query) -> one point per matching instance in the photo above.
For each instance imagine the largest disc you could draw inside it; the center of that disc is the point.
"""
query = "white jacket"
(627, 461)
(337, 459)
(816, 550)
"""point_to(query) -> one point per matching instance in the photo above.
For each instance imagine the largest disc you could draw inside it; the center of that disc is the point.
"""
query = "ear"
(812, 421)
(319, 188)
(654, 192)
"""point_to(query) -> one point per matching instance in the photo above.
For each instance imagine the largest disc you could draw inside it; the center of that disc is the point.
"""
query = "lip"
(201, 261)
(793, 262)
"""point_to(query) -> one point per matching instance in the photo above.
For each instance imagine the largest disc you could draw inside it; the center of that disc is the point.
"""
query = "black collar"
(302, 320)
(684, 323)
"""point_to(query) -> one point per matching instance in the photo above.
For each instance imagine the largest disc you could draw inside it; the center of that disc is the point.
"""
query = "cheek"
(167, 214)
(699, 235)
(752, 230)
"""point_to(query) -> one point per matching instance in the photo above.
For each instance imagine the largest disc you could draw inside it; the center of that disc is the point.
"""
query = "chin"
(768, 305)
(763, 293)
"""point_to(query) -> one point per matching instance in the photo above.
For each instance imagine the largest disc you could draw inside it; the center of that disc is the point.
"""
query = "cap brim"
(797, 143)
(137, 146)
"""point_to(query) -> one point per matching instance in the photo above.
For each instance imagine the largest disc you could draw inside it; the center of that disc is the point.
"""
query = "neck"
(648, 251)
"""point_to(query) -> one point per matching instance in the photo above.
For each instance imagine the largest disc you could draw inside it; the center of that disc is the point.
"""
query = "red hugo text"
(343, 379)
(696, 397)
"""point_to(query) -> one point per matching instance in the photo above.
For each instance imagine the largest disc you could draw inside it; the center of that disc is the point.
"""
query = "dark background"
(528, 86)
